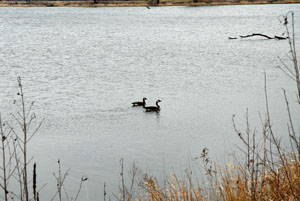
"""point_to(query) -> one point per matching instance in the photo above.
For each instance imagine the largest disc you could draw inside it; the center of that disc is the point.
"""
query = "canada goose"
(138, 103)
(153, 108)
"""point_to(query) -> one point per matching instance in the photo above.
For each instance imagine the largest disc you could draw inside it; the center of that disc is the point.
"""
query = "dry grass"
(231, 183)
(275, 184)
(176, 190)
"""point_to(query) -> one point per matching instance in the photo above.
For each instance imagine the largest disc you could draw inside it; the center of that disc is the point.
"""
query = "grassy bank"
(138, 3)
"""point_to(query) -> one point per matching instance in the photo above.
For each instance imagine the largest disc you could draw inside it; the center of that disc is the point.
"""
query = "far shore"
(139, 3)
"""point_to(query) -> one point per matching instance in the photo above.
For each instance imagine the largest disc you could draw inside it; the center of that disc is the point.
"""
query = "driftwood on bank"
(259, 34)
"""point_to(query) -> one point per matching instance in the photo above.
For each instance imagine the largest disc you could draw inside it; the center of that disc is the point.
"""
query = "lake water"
(84, 66)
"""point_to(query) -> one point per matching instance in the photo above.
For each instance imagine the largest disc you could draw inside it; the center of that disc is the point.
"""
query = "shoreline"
(138, 3)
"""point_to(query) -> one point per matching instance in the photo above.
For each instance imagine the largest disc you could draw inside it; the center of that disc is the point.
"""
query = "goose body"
(139, 103)
(153, 108)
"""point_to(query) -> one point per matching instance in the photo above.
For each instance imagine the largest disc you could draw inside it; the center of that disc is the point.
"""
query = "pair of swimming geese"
(148, 108)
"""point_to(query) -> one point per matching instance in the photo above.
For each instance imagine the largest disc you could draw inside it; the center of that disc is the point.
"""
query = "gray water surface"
(84, 66)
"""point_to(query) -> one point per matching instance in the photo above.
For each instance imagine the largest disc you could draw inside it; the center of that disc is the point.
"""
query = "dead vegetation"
(15, 167)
